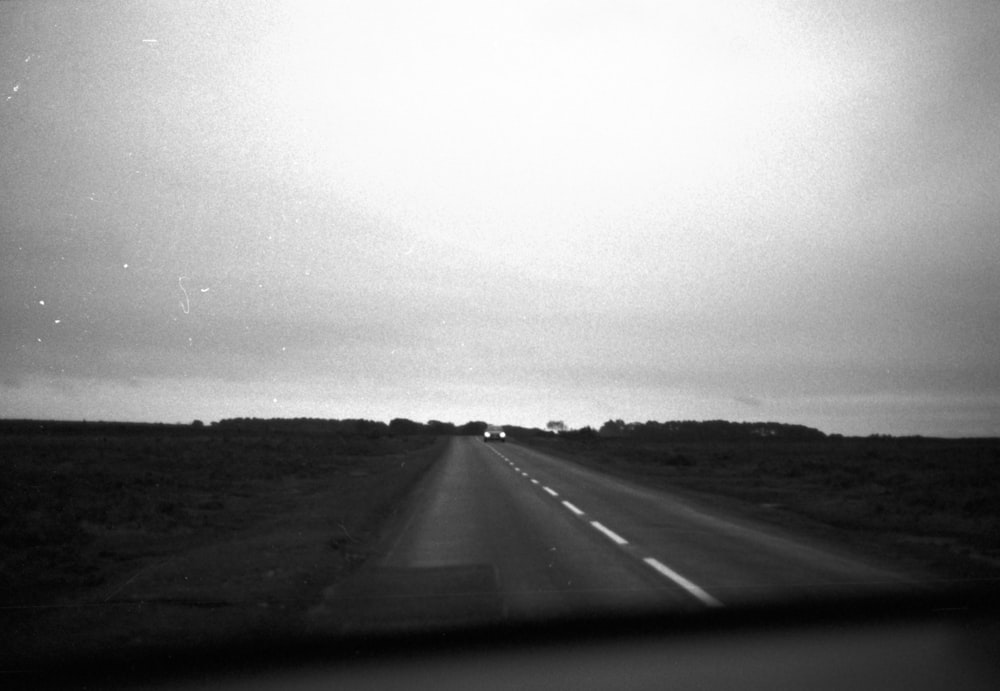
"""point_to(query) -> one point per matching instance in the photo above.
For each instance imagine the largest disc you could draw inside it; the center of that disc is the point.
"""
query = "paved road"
(504, 531)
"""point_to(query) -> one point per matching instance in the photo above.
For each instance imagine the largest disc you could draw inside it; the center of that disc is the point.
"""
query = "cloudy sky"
(505, 211)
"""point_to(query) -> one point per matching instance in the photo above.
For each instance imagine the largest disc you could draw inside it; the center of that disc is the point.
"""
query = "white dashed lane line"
(612, 535)
(683, 582)
(653, 563)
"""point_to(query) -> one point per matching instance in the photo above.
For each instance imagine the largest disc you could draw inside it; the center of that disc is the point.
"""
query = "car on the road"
(494, 433)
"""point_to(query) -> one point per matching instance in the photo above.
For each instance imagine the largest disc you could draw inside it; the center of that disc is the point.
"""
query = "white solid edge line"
(572, 508)
(550, 491)
(615, 537)
(683, 582)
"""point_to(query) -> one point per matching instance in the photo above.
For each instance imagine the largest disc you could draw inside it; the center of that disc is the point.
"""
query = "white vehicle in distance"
(494, 433)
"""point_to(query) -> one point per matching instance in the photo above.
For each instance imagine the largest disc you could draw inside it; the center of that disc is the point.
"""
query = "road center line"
(683, 582)
(655, 564)
(615, 537)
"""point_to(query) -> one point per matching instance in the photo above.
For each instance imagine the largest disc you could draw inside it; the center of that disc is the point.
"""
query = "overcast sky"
(506, 211)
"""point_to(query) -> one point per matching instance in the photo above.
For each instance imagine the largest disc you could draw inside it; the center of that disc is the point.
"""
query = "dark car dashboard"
(938, 641)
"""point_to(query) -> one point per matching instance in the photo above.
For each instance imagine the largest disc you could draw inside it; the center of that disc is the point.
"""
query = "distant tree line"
(704, 430)
(683, 430)
(350, 427)
(360, 427)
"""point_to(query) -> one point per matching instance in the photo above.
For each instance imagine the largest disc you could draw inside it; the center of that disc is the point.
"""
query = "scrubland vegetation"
(101, 522)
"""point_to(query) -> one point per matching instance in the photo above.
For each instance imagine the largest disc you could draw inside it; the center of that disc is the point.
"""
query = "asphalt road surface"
(498, 531)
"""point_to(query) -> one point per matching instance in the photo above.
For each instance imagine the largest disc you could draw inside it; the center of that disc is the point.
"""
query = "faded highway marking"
(682, 582)
(615, 537)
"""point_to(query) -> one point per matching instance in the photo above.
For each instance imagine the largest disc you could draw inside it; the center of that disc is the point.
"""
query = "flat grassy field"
(114, 535)
(931, 504)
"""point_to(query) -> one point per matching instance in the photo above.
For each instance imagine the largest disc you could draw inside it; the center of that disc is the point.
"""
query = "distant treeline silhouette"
(684, 430)
(681, 430)
(704, 430)
(349, 427)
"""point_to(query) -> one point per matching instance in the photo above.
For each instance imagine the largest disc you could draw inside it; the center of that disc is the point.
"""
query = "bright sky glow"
(506, 211)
